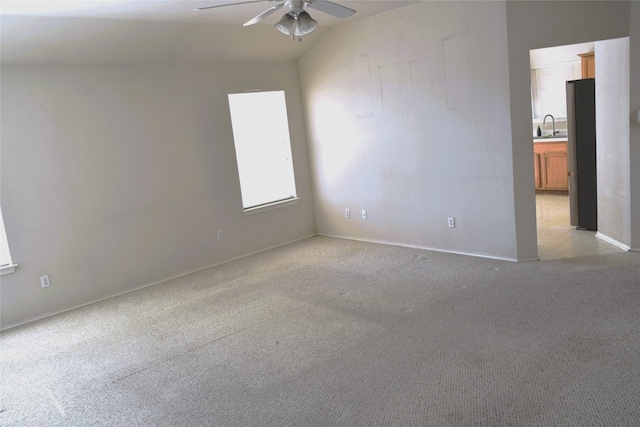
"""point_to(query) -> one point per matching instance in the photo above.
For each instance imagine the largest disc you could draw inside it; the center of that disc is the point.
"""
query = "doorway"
(550, 69)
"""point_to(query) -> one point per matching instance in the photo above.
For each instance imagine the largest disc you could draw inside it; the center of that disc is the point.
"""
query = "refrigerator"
(581, 153)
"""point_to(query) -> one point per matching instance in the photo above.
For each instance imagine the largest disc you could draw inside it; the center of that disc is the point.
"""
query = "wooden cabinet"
(588, 65)
(550, 165)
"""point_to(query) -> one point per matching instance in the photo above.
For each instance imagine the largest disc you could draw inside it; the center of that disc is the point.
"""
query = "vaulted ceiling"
(141, 31)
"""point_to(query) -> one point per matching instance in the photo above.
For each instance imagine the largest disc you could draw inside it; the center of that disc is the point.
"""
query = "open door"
(581, 154)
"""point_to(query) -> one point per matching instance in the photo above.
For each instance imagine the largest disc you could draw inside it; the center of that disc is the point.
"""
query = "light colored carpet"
(331, 332)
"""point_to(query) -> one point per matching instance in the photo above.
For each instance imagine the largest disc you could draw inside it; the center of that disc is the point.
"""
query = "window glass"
(5, 256)
(548, 89)
(263, 147)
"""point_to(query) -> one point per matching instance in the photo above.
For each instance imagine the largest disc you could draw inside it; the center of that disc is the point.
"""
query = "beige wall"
(115, 177)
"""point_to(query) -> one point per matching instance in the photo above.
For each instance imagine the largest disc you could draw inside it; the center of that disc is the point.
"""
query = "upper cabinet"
(588, 65)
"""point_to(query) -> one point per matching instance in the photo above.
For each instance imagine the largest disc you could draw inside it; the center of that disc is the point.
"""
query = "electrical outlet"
(364, 214)
(220, 235)
(347, 213)
(451, 222)
(44, 281)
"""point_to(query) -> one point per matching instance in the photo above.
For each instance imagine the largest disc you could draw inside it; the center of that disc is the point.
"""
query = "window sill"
(270, 206)
(7, 269)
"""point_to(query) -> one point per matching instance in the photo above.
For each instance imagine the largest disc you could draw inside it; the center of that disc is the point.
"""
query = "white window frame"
(263, 150)
(6, 265)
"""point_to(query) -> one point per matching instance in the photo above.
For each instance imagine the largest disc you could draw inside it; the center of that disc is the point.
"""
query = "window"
(6, 266)
(548, 88)
(263, 149)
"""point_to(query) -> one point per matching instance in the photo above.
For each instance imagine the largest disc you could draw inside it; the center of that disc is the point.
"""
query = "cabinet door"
(588, 65)
(555, 171)
(536, 170)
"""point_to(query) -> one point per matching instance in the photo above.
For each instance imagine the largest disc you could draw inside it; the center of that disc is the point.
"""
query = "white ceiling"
(141, 31)
(550, 56)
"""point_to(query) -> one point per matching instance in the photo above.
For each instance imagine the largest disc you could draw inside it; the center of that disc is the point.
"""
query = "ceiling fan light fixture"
(297, 22)
(306, 23)
(296, 25)
(285, 24)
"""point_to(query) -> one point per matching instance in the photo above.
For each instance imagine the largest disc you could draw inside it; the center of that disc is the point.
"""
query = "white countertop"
(554, 139)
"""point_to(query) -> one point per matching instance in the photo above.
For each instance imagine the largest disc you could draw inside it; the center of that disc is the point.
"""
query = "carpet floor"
(332, 332)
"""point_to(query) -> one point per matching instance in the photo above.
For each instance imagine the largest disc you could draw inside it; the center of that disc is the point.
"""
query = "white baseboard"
(614, 242)
(427, 248)
(44, 316)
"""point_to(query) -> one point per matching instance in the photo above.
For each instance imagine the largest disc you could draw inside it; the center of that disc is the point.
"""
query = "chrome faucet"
(553, 123)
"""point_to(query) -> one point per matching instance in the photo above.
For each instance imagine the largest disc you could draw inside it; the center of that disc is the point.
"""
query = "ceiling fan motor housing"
(296, 6)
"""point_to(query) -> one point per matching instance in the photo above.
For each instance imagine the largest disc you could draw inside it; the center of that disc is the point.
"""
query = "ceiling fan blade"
(331, 8)
(232, 4)
(263, 15)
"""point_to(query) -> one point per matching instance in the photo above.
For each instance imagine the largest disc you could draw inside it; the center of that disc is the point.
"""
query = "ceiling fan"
(296, 22)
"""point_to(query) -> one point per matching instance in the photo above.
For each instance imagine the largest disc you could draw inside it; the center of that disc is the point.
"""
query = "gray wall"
(634, 133)
(533, 25)
(431, 118)
(411, 123)
(115, 177)
(612, 139)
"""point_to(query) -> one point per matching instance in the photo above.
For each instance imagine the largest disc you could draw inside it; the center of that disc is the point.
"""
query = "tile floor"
(557, 239)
